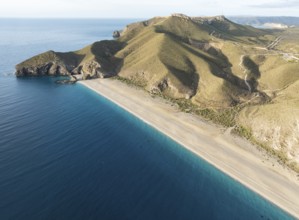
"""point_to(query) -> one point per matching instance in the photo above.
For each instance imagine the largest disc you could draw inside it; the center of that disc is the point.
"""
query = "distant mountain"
(236, 75)
(261, 21)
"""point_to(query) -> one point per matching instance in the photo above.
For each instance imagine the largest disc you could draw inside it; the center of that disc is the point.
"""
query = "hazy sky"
(144, 8)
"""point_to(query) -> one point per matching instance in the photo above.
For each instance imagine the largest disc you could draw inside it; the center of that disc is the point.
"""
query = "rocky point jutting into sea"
(237, 76)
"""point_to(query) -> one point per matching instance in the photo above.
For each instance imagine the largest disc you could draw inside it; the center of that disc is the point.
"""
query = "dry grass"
(197, 65)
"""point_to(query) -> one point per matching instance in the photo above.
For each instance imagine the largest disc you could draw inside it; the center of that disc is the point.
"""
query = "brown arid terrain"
(243, 78)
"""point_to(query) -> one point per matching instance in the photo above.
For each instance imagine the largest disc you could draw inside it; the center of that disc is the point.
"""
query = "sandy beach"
(232, 155)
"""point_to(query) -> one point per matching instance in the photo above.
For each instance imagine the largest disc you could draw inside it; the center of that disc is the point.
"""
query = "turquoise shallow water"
(68, 153)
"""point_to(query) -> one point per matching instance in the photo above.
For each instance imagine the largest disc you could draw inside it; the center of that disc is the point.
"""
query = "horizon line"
(140, 17)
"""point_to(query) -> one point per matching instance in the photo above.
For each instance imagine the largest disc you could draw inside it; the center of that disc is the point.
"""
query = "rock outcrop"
(116, 34)
(94, 61)
(48, 63)
(50, 68)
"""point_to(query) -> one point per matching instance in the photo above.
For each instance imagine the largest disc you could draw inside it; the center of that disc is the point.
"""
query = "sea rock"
(116, 34)
(65, 82)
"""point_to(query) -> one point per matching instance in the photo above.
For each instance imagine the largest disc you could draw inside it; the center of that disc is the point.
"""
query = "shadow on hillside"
(189, 79)
(104, 52)
(252, 67)
(221, 67)
(253, 71)
(71, 59)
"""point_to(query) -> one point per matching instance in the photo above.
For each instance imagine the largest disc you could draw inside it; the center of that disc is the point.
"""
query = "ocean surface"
(68, 153)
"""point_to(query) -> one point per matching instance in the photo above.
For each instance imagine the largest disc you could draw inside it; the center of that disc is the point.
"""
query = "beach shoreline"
(231, 155)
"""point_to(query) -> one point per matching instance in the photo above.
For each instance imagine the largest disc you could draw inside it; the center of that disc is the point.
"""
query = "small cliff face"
(49, 68)
(94, 61)
(48, 63)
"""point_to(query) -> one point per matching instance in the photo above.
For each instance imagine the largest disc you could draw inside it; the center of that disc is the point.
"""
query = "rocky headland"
(238, 76)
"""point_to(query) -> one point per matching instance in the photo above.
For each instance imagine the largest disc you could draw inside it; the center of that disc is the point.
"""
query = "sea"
(68, 153)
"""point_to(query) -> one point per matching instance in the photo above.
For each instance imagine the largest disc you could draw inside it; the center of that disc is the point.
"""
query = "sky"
(144, 8)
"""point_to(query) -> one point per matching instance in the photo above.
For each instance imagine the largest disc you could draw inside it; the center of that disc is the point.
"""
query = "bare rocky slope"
(236, 75)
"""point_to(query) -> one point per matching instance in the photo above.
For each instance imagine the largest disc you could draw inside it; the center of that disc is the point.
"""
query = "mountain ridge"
(212, 65)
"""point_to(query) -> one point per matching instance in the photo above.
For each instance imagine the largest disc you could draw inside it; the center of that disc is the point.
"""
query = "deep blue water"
(68, 153)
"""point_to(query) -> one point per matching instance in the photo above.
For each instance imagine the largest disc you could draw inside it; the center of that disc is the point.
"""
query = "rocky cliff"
(94, 61)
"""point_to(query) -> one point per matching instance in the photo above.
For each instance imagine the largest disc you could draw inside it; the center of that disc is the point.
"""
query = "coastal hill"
(235, 75)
